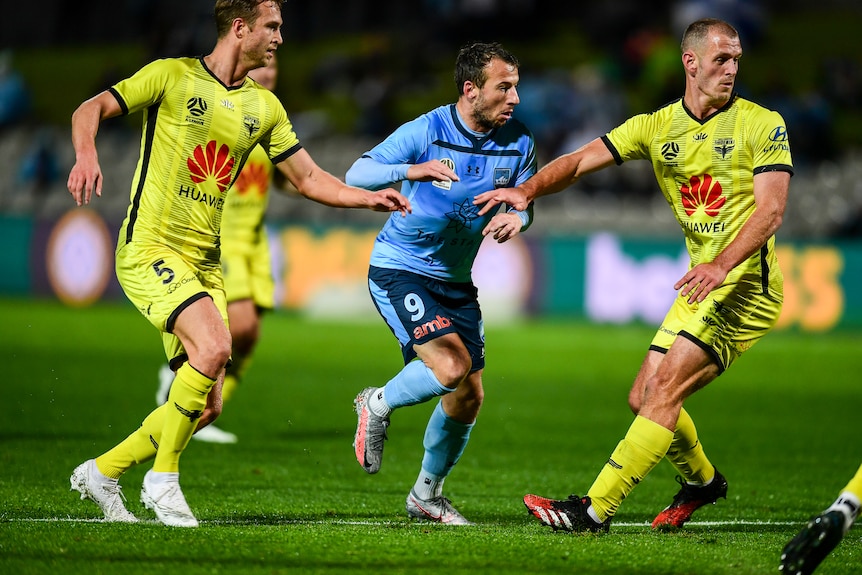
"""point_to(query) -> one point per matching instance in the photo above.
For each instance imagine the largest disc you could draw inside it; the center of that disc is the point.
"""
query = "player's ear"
(689, 61)
(470, 90)
(238, 26)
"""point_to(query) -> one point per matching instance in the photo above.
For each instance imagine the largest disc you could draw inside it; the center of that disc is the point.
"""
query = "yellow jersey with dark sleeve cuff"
(197, 136)
(706, 168)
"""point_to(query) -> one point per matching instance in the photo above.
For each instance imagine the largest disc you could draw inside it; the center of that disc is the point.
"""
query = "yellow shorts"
(726, 324)
(161, 284)
(247, 271)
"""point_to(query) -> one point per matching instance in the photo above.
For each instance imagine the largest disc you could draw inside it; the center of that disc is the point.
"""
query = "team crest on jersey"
(723, 147)
(251, 124)
(502, 177)
(445, 185)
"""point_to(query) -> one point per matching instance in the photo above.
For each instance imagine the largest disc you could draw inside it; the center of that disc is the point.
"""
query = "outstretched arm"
(317, 184)
(371, 174)
(554, 177)
(86, 175)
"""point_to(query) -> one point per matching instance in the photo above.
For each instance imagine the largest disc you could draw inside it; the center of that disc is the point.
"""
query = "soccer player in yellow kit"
(823, 533)
(724, 166)
(202, 118)
(246, 268)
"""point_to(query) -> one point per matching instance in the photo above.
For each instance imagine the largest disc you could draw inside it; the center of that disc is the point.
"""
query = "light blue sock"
(413, 384)
(445, 440)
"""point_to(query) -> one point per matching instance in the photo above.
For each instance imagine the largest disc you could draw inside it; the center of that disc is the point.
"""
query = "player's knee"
(452, 369)
(657, 392)
(215, 355)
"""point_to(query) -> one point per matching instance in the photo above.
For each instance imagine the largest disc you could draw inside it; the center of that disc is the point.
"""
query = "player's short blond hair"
(697, 32)
(226, 11)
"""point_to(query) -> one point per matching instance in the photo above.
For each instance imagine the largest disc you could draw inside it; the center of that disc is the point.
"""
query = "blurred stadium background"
(607, 250)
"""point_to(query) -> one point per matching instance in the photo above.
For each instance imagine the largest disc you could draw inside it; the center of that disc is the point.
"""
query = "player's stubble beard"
(481, 116)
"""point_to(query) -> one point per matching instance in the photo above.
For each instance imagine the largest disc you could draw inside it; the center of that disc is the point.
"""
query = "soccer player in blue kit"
(420, 271)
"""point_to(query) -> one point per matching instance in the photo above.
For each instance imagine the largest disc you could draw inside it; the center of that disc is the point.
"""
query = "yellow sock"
(186, 402)
(137, 448)
(855, 485)
(234, 374)
(228, 387)
(686, 452)
(644, 445)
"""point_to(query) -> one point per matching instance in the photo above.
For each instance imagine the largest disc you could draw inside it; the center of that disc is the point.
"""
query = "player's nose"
(514, 98)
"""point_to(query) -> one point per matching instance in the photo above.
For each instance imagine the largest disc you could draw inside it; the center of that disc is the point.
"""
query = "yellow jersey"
(706, 170)
(197, 136)
(245, 205)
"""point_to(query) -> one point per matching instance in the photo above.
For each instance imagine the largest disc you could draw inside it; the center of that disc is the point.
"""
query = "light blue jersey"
(441, 237)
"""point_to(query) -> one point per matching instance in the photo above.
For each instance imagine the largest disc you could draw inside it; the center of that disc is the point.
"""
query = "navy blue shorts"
(418, 309)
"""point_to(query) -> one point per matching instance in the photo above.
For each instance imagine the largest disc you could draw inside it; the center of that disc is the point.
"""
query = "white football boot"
(104, 491)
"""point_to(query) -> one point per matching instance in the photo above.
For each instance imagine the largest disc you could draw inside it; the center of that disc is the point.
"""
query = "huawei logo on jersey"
(209, 162)
(702, 191)
(252, 178)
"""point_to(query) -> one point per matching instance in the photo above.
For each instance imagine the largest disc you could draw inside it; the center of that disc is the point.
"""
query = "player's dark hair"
(697, 32)
(226, 11)
(473, 59)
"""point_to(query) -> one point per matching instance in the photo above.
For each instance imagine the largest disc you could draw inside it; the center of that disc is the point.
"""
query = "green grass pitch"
(782, 425)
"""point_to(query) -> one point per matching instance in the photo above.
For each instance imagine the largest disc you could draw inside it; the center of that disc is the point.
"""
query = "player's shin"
(445, 441)
(645, 444)
(186, 403)
(686, 452)
(138, 447)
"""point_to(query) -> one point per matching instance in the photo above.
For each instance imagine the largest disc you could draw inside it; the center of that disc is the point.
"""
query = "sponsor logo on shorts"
(670, 332)
(432, 326)
(177, 285)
